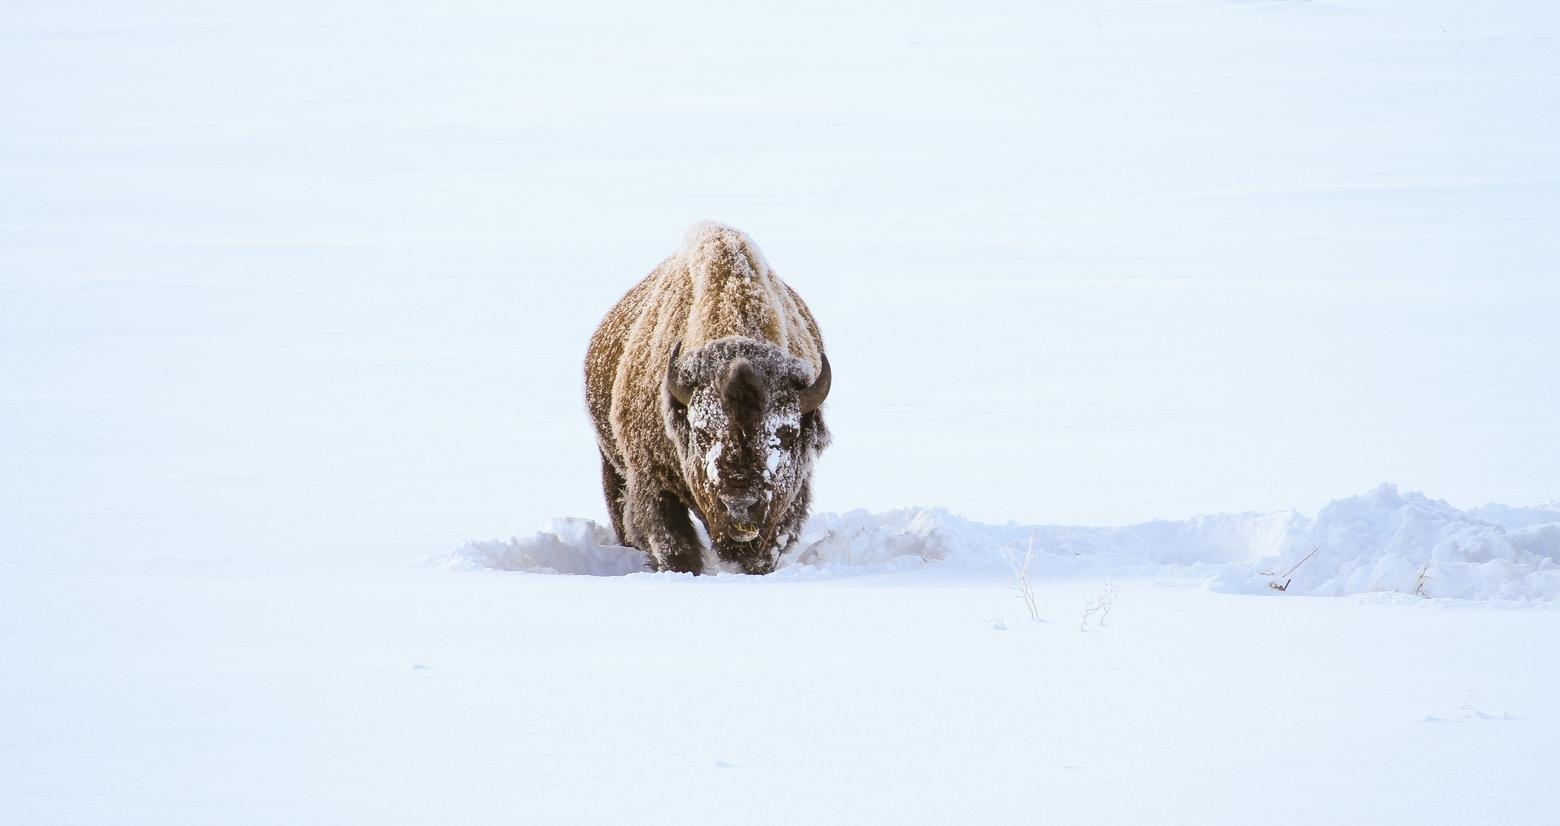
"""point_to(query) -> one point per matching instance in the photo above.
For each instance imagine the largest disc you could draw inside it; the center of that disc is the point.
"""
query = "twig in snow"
(1285, 575)
(1100, 604)
(1424, 576)
(1301, 562)
(1020, 581)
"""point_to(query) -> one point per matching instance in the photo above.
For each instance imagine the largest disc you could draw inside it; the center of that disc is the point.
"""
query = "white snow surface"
(1379, 541)
(292, 293)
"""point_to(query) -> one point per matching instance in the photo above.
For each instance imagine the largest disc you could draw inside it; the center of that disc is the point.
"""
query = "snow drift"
(567, 546)
(1379, 541)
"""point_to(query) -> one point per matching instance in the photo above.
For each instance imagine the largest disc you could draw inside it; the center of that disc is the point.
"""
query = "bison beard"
(705, 384)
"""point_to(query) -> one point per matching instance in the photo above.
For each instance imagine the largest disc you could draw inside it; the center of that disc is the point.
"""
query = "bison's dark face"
(742, 414)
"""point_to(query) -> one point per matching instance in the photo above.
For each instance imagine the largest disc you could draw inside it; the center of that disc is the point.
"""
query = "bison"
(705, 384)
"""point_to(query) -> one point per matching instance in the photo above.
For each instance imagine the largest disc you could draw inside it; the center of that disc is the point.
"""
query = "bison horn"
(681, 392)
(813, 395)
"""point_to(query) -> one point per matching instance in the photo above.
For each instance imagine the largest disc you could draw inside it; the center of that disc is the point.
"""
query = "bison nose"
(737, 504)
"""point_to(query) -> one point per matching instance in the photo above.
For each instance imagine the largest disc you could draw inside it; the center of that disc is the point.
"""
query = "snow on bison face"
(739, 414)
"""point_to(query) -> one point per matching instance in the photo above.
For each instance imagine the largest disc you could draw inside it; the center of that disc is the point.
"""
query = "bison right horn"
(813, 395)
(681, 392)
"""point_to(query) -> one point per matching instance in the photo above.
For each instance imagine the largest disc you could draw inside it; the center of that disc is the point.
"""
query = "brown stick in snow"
(1301, 562)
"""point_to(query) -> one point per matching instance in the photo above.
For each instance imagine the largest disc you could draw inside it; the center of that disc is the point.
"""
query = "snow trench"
(1379, 541)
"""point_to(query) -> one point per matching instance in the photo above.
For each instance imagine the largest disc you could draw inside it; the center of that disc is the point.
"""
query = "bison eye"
(787, 437)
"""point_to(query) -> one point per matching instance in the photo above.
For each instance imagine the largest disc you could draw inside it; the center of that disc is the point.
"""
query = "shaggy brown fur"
(738, 449)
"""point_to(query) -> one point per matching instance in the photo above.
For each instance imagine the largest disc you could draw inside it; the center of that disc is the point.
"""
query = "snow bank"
(567, 546)
(1388, 541)
(1379, 541)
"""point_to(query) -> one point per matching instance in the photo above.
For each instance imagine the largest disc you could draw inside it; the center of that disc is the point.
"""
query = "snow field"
(293, 292)
(418, 695)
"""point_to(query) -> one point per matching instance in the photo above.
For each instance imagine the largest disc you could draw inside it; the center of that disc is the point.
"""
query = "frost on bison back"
(705, 384)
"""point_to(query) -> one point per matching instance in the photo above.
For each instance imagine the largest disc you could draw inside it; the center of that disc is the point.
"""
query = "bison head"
(743, 414)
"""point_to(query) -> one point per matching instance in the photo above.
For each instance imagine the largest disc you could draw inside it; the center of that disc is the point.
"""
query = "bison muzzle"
(705, 384)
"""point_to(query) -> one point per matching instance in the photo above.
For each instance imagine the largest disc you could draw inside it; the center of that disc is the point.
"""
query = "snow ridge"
(1380, 541)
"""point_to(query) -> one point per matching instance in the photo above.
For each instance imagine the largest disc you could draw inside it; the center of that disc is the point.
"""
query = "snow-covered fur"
(738, 448)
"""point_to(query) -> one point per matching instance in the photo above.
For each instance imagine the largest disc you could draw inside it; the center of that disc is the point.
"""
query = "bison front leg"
(657, 523)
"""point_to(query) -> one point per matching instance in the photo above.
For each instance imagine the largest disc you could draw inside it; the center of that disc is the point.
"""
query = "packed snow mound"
(567, 546)
(1390, 541)
(1516, 518)
(1379, 541)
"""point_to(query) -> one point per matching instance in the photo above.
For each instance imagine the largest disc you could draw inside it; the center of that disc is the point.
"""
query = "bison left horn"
(813, 395)
(683, 393)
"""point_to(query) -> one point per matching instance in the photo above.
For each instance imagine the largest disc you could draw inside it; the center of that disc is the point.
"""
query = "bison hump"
(734, 291)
